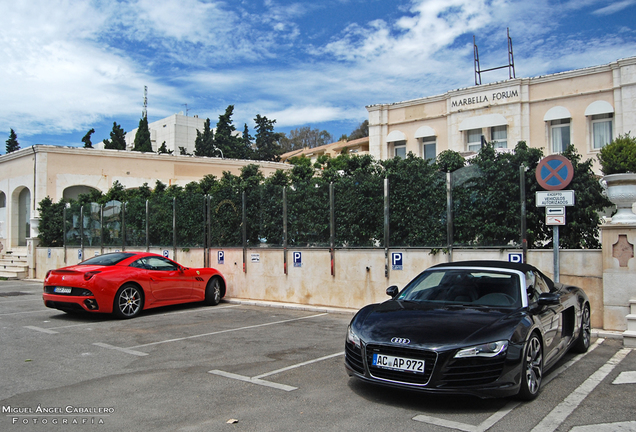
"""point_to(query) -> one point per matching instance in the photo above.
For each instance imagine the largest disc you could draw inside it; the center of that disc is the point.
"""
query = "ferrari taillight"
(90, 274)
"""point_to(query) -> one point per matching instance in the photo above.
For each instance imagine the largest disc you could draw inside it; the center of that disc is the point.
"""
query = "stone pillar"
(619, 274)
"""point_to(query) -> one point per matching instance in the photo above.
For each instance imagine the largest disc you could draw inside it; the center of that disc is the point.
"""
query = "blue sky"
(70, 65)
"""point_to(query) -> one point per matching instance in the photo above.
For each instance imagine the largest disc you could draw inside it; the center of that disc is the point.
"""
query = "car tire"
(129, 301)
(213, 292)
(583, 341)
(531, 369)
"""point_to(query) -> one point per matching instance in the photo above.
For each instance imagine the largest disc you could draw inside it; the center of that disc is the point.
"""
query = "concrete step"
(631, 322)
(14, 258)
(12, 275)
(629, 339)
(14, 265)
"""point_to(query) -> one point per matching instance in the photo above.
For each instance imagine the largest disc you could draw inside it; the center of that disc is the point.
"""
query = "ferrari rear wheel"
(213, 292)
(583, 342)
(128, 301)
(532, 369)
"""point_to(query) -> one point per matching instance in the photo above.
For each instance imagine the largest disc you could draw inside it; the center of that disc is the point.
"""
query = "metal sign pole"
(555, 243)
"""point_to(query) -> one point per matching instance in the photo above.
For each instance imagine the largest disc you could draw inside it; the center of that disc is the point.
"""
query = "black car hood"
(434, 325)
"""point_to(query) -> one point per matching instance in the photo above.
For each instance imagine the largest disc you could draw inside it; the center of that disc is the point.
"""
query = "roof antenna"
(186, 105)
(510, 65)
(144, 113)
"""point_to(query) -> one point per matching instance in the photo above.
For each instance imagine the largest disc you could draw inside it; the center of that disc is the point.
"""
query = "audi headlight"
(491, 349)
(352, 337)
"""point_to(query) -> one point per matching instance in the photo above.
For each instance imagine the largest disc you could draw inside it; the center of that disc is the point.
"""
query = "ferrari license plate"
(398, 363)
(62, 290)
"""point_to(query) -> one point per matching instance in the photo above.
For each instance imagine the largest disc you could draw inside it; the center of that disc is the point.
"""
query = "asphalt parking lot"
(245, 367)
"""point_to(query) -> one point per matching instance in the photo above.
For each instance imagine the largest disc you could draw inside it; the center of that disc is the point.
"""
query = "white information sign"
(555, 198)
(555, 220)
(555, 211)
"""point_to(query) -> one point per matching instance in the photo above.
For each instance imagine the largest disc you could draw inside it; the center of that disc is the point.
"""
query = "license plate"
(398, 363)
(62, 290)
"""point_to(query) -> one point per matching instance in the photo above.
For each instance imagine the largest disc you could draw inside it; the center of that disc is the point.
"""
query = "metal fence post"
(244, 230)
(332, 228)
(285, 229)
(123, 226)
(101, 228)
(147, 226)
(174, 228)
(81, 230)
(522, 197)
(386, 228)
(449, 216)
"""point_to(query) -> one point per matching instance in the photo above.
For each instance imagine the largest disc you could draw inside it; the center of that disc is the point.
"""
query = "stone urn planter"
(618, 163)
(621, 190)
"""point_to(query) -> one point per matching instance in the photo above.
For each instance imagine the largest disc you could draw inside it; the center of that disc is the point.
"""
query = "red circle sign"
(554, 172)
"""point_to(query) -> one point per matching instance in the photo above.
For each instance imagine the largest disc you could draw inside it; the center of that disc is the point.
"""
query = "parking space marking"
(285, 369)
(625, 378)
(253, 380)
(24, 313)
(125, 350)
(607, 427)
(257, 379)
(40, 329)
(490, 421)
(483, 426)
(132, 349)
(562, 411)
(227, 331)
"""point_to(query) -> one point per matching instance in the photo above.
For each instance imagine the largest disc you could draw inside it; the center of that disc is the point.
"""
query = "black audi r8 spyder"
(486, 328)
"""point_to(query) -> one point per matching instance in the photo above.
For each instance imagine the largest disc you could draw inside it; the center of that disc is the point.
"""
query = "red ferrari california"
(125, 283)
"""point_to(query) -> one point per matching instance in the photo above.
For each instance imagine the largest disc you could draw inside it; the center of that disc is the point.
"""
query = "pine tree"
(247, 150)
(87, 139)
(204, 142)
(142, 137)
(163, 149)
(225, 138)
(117, 138)
(12, 142)
(267, 146)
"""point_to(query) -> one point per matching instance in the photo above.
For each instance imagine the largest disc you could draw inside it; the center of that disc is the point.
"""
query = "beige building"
(585, 107)
(358, 146)
(29, 175)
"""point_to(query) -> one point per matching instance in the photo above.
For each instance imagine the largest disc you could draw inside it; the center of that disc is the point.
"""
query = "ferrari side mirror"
(392, 291)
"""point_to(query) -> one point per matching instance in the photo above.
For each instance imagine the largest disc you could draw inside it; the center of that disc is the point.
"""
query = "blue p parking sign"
(298, 259)
(396, 261)
(220, 257)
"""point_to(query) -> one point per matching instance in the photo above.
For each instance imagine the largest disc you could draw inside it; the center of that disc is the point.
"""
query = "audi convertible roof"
(494, 264)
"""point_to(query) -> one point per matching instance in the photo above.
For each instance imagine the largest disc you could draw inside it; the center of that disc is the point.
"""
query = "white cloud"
(614, 7)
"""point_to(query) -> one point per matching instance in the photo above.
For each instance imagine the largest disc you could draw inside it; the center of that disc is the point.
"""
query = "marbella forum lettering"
(483, 98)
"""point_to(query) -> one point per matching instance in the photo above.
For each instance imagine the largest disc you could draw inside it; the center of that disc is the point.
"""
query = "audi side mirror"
(548, 299)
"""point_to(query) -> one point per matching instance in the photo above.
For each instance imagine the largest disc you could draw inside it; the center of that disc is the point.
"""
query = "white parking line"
(40, 329)
(131, 350)
(562, 411)
(285, 369)
(227, 331)
(257, 379)
(628, 377)
(126, 350)
(483, 426)
(253, 380)
(490, 421)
